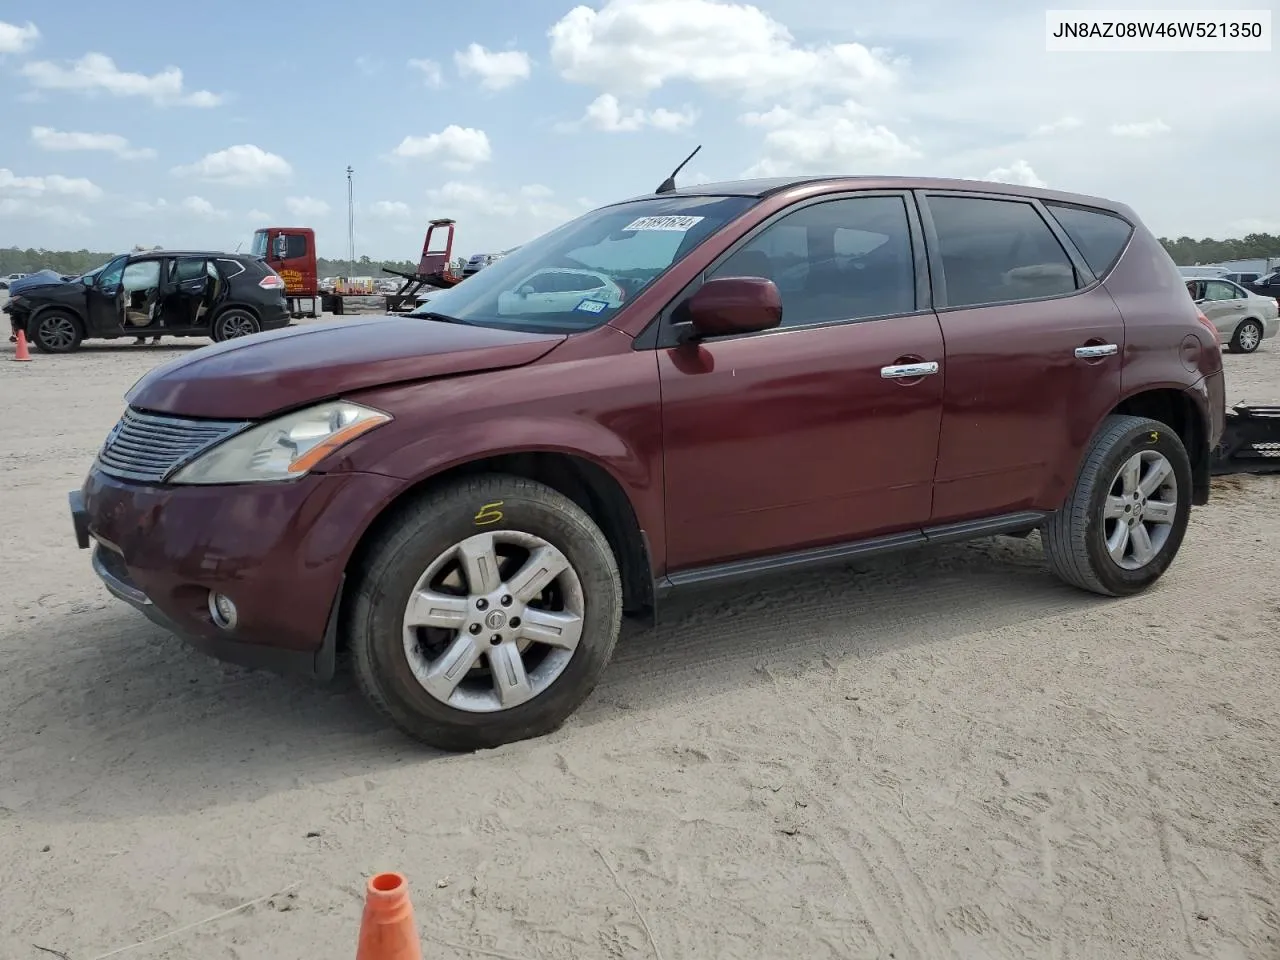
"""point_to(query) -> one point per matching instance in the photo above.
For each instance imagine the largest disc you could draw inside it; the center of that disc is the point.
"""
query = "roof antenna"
(669, 184)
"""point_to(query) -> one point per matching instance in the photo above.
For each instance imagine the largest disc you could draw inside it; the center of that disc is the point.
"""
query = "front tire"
(485, 614)
(57, 331)
(1247, 338)
(1125, 519)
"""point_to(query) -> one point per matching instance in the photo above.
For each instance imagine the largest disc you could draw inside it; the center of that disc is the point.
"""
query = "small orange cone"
(22, 353)
(388, 930)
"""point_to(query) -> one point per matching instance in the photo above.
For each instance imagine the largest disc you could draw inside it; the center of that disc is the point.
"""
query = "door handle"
(906, 371)
(1100, 350)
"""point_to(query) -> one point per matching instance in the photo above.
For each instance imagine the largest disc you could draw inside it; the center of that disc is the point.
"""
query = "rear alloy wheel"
(56, 332)
(485, 614)
(1247, 338)
(1125, 519)
(232, 324)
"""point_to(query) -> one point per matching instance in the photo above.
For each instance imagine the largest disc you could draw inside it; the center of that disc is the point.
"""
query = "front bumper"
(279, 551)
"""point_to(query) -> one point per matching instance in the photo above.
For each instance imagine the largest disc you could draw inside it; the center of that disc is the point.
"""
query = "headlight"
(282, 449)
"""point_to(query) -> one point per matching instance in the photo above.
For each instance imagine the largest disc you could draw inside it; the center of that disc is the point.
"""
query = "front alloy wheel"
(483, 612)
(493, 622)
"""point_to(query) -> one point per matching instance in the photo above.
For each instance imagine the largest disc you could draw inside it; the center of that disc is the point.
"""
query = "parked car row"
(147, 295)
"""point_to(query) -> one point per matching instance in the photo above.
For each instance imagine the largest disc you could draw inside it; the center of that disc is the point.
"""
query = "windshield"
(259, 244)
(578, 275)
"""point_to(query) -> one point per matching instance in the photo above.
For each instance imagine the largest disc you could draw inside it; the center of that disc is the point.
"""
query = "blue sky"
(190, 125)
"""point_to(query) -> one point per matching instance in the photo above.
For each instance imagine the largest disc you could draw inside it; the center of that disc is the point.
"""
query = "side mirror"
(728, 305)
(526, 290)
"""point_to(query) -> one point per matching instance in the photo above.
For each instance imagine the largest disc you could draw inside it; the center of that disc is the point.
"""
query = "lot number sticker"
(675, 224)
(591, 306)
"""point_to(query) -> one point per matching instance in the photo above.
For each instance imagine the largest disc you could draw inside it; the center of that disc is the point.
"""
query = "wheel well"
(1180, 413)
(234, 306)
(591, 487)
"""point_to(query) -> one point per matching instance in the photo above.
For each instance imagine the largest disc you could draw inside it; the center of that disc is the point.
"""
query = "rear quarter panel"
(1159, 317)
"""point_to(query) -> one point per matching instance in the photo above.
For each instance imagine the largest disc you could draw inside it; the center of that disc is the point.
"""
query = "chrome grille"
(148, 446)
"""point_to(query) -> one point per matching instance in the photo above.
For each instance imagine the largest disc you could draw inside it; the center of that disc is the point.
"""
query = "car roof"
(769, 186)
(216, 254)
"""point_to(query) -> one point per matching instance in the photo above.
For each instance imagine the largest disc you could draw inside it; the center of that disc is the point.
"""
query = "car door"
(824, 430)
(1224, 304)
(104, 308)
(1034, 347)
(185, 286)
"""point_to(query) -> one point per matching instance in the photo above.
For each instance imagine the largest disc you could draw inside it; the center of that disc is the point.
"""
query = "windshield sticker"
(592, 306)
(676, 224)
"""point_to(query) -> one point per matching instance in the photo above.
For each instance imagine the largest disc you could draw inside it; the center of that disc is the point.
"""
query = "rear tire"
(1126, 516)
(431, 635)
(232, 324)
(57, 331)
(1247, 338)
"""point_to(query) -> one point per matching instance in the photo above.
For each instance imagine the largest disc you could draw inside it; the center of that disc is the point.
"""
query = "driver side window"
(1217, 290)
(109, 279)
(839, 260)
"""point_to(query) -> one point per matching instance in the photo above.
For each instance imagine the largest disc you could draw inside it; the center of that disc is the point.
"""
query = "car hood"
(267, 373)
(36, 284)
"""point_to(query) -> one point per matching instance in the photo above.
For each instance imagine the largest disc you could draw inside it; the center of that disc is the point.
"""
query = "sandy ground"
(925, 757)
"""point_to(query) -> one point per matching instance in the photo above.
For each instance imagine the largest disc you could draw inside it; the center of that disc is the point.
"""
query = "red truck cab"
(291, 252)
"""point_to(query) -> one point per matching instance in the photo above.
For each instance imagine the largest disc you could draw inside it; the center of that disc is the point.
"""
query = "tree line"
(1186, 251)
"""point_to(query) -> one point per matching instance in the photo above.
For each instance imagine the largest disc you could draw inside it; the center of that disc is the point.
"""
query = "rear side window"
(187, 268)
(1099, 236)
(1221, 290)
(998, 251)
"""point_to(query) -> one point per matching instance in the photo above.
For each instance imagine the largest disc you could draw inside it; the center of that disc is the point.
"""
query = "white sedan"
(1243, 319)
(561, 290)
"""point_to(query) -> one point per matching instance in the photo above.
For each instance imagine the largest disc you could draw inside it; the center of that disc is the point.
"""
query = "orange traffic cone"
(387, 930)
(22, 353)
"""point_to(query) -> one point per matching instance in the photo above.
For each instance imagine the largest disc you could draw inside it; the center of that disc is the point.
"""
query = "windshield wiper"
(442, 318)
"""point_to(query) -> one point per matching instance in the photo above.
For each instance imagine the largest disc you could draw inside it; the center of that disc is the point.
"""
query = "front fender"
(604, 410)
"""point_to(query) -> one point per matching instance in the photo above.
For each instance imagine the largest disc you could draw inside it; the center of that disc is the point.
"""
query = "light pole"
(351, 228)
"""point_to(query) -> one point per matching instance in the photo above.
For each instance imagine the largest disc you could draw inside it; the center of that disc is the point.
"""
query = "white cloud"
(306, 207)
(369, 66)
(258, 216)
(143, 209)
(497, 70)
(389, 210)
(17, 39)
(837, 138)
(631, 47)
(52, 185)
(1061, 125)
(534, 203)
(97, 73)
(201, 207)
(17, 208)
(1141, 130)
(432, 75)
(242, 165)
(459, 148)
(1019, 172)
(605, 113)
(61, 140)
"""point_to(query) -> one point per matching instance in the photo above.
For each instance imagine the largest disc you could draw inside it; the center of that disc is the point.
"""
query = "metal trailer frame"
(1250, 441)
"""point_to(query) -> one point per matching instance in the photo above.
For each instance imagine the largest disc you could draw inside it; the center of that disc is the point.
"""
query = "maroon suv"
(686, 388)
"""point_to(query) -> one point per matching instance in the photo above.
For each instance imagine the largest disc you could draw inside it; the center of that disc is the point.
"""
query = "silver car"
(1243, 319)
